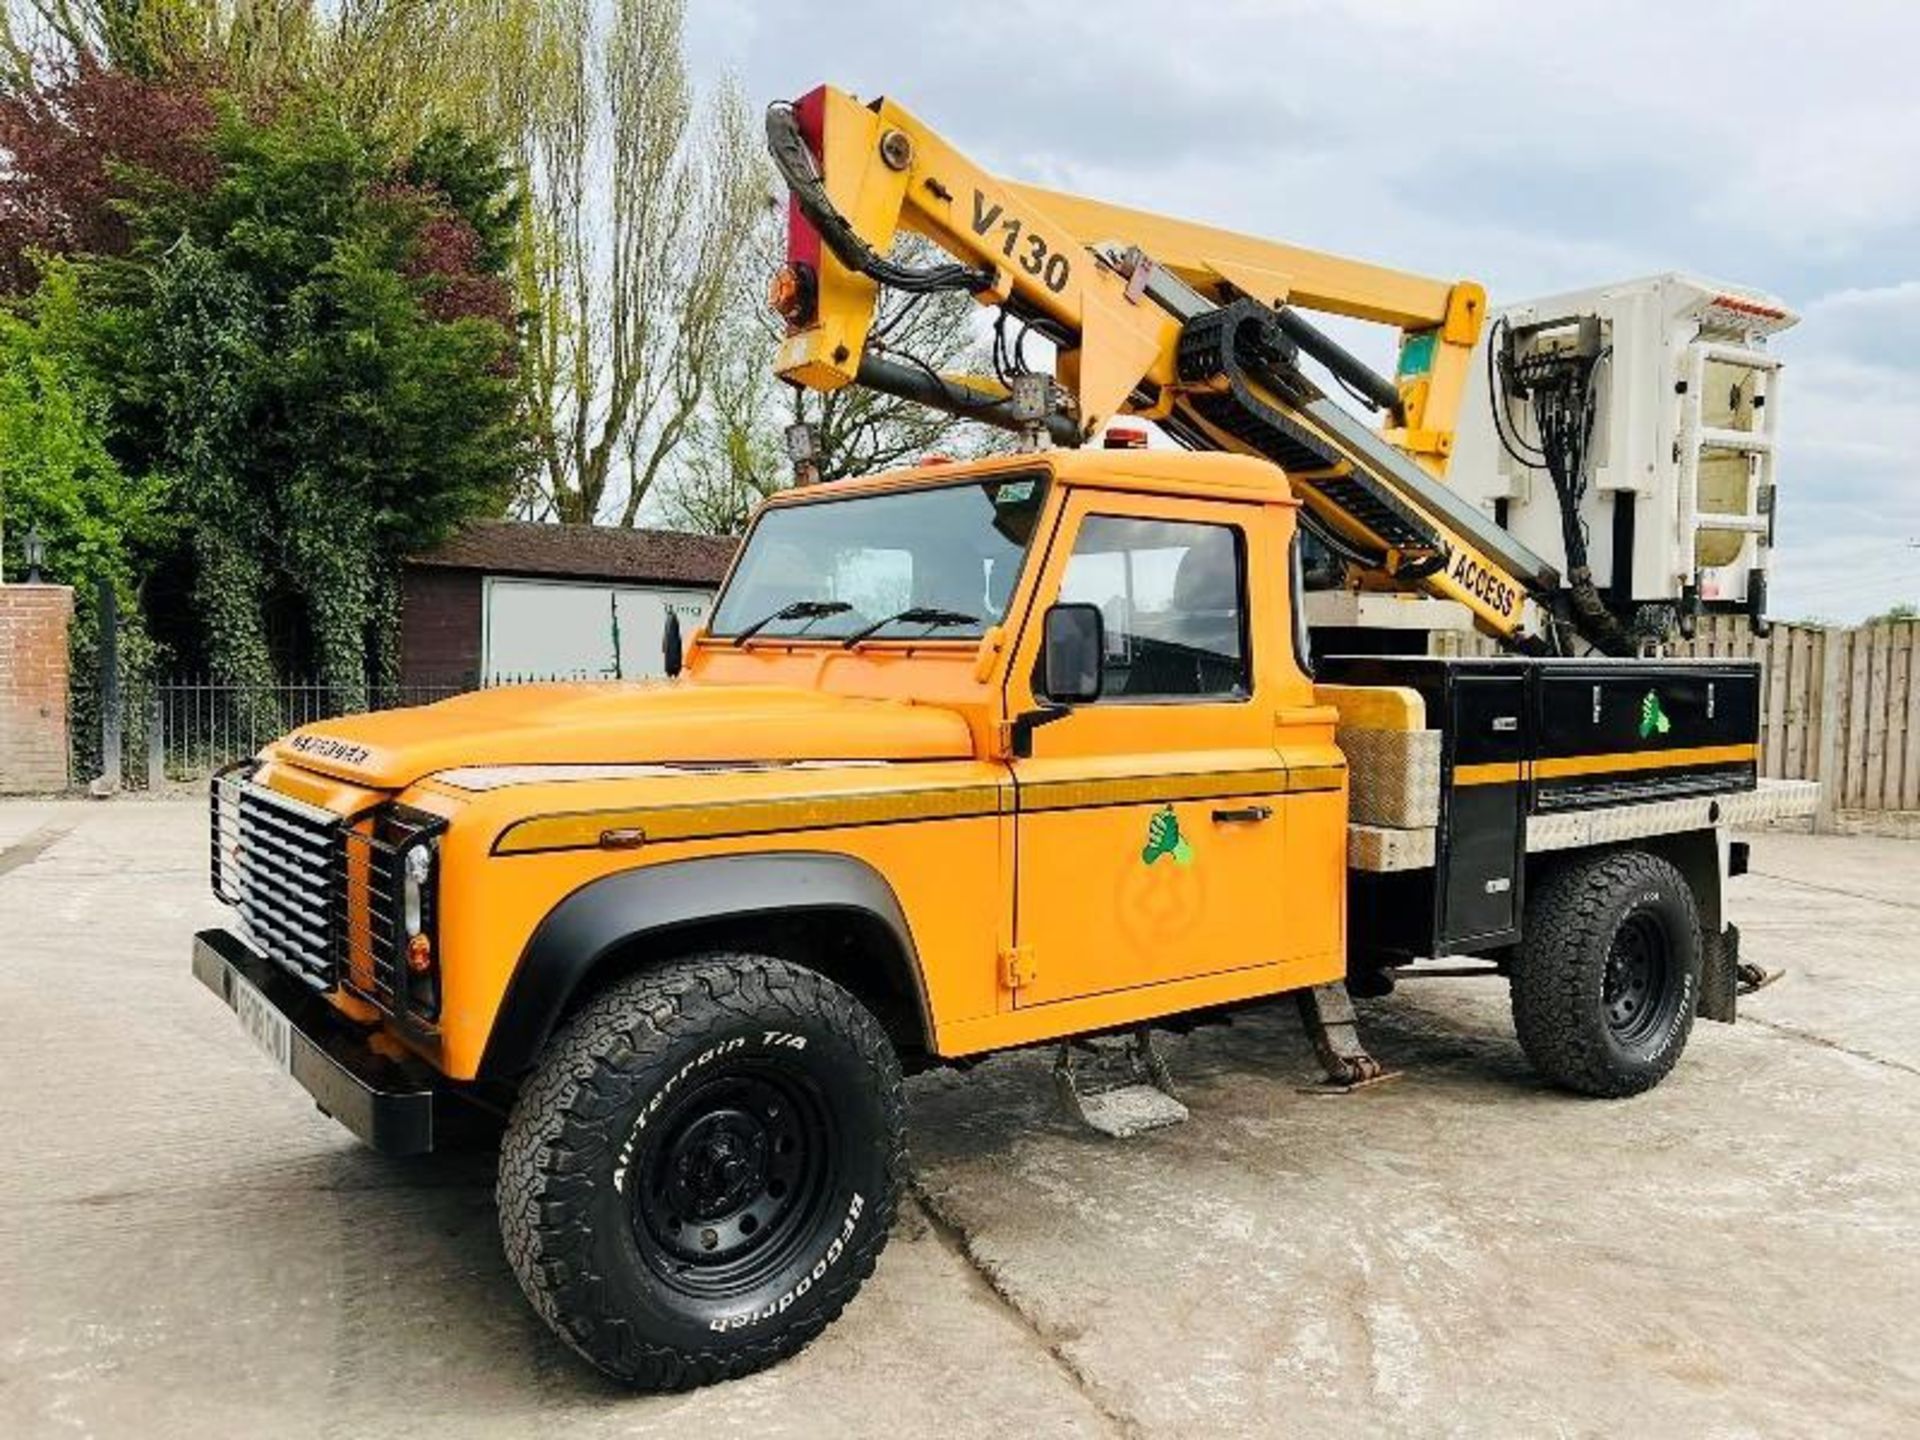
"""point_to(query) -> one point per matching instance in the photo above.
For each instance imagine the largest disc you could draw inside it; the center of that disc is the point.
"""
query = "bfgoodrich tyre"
(1607, 977)
(703, 1169)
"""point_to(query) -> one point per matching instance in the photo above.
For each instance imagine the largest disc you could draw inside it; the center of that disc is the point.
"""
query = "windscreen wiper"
(798, 610)
(930, 615)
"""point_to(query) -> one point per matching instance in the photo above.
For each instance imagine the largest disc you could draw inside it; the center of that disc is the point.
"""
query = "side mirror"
(1074, 642)
(672, 650)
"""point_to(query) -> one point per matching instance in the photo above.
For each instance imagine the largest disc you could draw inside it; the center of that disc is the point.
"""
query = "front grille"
(280, 863)
(319, 894)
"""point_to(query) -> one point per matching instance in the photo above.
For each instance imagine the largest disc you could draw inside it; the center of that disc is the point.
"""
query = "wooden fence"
(1838, 706)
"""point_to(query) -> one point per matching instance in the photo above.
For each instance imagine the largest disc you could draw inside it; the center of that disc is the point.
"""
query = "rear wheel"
(1607, 977)
(703, 1169)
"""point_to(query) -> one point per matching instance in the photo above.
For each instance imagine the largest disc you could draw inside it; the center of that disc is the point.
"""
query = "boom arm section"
(1194, 327)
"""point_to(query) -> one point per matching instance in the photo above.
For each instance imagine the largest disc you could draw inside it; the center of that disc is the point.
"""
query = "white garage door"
(558, 629)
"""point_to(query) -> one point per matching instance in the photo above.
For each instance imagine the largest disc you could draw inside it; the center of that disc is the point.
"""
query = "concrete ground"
(188, 1249)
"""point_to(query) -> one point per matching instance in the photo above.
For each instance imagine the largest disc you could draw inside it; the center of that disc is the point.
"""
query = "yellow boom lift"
(1196, 328)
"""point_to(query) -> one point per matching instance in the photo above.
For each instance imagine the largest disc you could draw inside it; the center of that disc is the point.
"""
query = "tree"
(264, 335)
(304, 330)
(737, 458)
(259, 48)
(1905, 610)
(102, 523)
(641, 202)
(79, 143)
(57, 470)
(328, 367)
(639, 258)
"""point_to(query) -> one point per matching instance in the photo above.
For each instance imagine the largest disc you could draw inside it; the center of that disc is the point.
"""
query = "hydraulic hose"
(797, 167)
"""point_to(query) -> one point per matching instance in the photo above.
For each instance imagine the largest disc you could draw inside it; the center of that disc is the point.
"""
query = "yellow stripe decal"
(1158, 789)
(1502, 772)
(1557, 766)
(629, 828)
(1303, 779)
(625, 829)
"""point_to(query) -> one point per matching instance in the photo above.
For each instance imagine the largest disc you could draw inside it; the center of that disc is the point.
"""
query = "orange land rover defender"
(968, 757)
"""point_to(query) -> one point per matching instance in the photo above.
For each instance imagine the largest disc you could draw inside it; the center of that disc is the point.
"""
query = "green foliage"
(1905, 610)
(57, 471)
(203, 346)
(295, 373)
(100, 523)
(266, 342)
(478, 183)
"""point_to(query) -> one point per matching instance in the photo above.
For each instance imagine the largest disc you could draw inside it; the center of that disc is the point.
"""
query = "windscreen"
(937, 562)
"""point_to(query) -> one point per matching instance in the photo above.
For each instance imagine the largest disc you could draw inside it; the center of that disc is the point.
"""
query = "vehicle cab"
(1049, 709)
(1172, 796)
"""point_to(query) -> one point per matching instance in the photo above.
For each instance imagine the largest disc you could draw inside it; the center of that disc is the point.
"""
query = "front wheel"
(1607, 977)
(703, 1169)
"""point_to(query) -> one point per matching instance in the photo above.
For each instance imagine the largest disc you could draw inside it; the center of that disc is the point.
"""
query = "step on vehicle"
(1038, 749)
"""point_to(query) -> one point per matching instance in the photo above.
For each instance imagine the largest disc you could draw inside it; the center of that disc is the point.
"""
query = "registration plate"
(270, 1030)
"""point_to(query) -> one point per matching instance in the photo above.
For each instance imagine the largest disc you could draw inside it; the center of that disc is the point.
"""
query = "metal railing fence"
(195, 726)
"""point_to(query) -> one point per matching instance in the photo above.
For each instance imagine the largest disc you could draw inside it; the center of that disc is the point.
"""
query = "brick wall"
(33, 687)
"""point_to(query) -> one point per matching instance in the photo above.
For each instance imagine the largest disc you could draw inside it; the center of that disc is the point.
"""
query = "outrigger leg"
(1327, 1013)
(1724, 976)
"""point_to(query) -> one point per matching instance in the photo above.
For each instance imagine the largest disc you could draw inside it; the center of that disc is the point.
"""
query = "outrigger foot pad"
(1326, 1011)
(1138, 1099)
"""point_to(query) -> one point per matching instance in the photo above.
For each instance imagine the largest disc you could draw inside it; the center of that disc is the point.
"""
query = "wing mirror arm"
(1028, 721)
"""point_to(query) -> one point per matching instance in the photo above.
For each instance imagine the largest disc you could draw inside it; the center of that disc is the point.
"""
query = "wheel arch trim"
(615, 910)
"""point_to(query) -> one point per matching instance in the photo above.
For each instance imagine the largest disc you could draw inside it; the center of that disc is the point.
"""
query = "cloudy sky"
(1535, 147)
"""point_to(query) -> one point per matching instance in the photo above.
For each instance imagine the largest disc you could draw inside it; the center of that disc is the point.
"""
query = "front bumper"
(388, 1103)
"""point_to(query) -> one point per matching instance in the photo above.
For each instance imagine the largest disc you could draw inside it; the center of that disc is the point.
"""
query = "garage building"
(507, 600)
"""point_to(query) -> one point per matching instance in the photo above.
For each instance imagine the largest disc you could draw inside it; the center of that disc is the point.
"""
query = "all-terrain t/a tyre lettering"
(703, 1169)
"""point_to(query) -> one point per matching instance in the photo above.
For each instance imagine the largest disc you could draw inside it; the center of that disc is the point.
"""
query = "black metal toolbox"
(1524, 736)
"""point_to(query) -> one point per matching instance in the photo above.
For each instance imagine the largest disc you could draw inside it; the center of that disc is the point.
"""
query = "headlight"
(419, 882)
(393, 912)
(416, 879)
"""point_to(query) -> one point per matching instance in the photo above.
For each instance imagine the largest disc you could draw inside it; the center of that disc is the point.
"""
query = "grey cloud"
(1536, 147)
(1876, 327)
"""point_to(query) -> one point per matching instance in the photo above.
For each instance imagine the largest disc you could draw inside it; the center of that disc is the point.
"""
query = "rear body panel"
(1623, 732)
(1525, 738)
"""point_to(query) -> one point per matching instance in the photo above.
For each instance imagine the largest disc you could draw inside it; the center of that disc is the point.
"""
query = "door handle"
(1251, 815)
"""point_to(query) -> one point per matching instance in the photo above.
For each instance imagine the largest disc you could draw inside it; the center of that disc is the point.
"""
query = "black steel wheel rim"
(733, 1179)
(1640, 989)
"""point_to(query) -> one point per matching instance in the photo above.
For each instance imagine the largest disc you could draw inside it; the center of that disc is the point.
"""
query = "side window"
(1172, 595)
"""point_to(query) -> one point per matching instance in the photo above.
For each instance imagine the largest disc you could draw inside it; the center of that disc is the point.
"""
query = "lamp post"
(36, 551)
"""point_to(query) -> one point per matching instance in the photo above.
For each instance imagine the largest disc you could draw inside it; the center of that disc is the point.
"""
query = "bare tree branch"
(735, 456)
(641, 197)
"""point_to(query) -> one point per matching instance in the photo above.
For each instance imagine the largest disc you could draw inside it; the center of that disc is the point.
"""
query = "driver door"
(1152, 824)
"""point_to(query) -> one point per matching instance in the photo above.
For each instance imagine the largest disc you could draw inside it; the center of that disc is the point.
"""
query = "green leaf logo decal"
(1653, 720)
(1164, 838)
